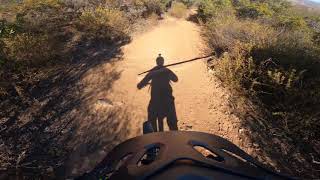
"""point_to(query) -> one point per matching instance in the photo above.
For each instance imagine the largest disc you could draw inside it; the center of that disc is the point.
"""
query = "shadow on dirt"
(162, 103)
(61, 132)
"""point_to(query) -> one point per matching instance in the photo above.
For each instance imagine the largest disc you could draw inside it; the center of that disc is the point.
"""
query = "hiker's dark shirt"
(161, 104)
(160, 78)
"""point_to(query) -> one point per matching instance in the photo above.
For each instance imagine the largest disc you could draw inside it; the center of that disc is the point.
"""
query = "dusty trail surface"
(176, 40)
(116, 109)
(201, 103)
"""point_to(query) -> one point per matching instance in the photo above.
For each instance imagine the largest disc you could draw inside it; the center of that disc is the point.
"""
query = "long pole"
(182, 62)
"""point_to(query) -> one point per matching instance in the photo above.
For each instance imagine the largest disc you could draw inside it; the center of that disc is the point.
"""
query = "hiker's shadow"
(161, 104)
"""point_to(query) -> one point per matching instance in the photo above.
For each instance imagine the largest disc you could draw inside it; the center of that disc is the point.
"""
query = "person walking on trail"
(161, 104)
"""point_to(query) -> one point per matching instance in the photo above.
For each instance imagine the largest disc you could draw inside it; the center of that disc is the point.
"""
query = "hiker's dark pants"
(159, 109)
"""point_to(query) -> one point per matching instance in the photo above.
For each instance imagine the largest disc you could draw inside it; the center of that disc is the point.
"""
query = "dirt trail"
(176, 40)
(83, 113)
(201, 102)
(113, 109)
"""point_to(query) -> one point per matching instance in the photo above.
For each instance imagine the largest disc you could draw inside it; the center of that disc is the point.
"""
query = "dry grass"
(226, 33)
(104, 23)
(274, 66)
(30, 50)
(277, 68)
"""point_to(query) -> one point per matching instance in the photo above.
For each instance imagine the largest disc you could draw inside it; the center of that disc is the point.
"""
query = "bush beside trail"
(178, 10)
(268, 53)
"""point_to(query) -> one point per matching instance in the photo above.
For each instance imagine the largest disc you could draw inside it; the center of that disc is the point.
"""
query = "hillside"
(306, 7)
(307, 3)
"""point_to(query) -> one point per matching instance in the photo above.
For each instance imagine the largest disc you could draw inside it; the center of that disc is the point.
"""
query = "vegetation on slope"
(270, 54)
(37, 34)
(178, 10)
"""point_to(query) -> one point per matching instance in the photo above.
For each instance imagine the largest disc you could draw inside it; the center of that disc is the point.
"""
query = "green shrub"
(293, 48)
(153, 6)
(215, 9)
(279, 13)
(39, 4)
(235, 69)
(291, 21)
(275, 61)
(316, 38)
(36, 37)
(28, 50)
(7, 30)
(48, 16)
(178, 10)
(226, 33)
(279, 66)
(239, 40)
(254, 10)
(279, 6)
(188, 3)
(104, 23)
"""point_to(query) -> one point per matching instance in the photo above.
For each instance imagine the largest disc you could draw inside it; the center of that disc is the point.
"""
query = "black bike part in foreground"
(171, 155)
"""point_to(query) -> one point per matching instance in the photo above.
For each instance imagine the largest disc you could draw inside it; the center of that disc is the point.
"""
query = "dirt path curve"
(201, 105)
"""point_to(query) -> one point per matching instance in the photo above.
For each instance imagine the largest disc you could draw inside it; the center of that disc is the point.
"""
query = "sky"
(317, 1)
